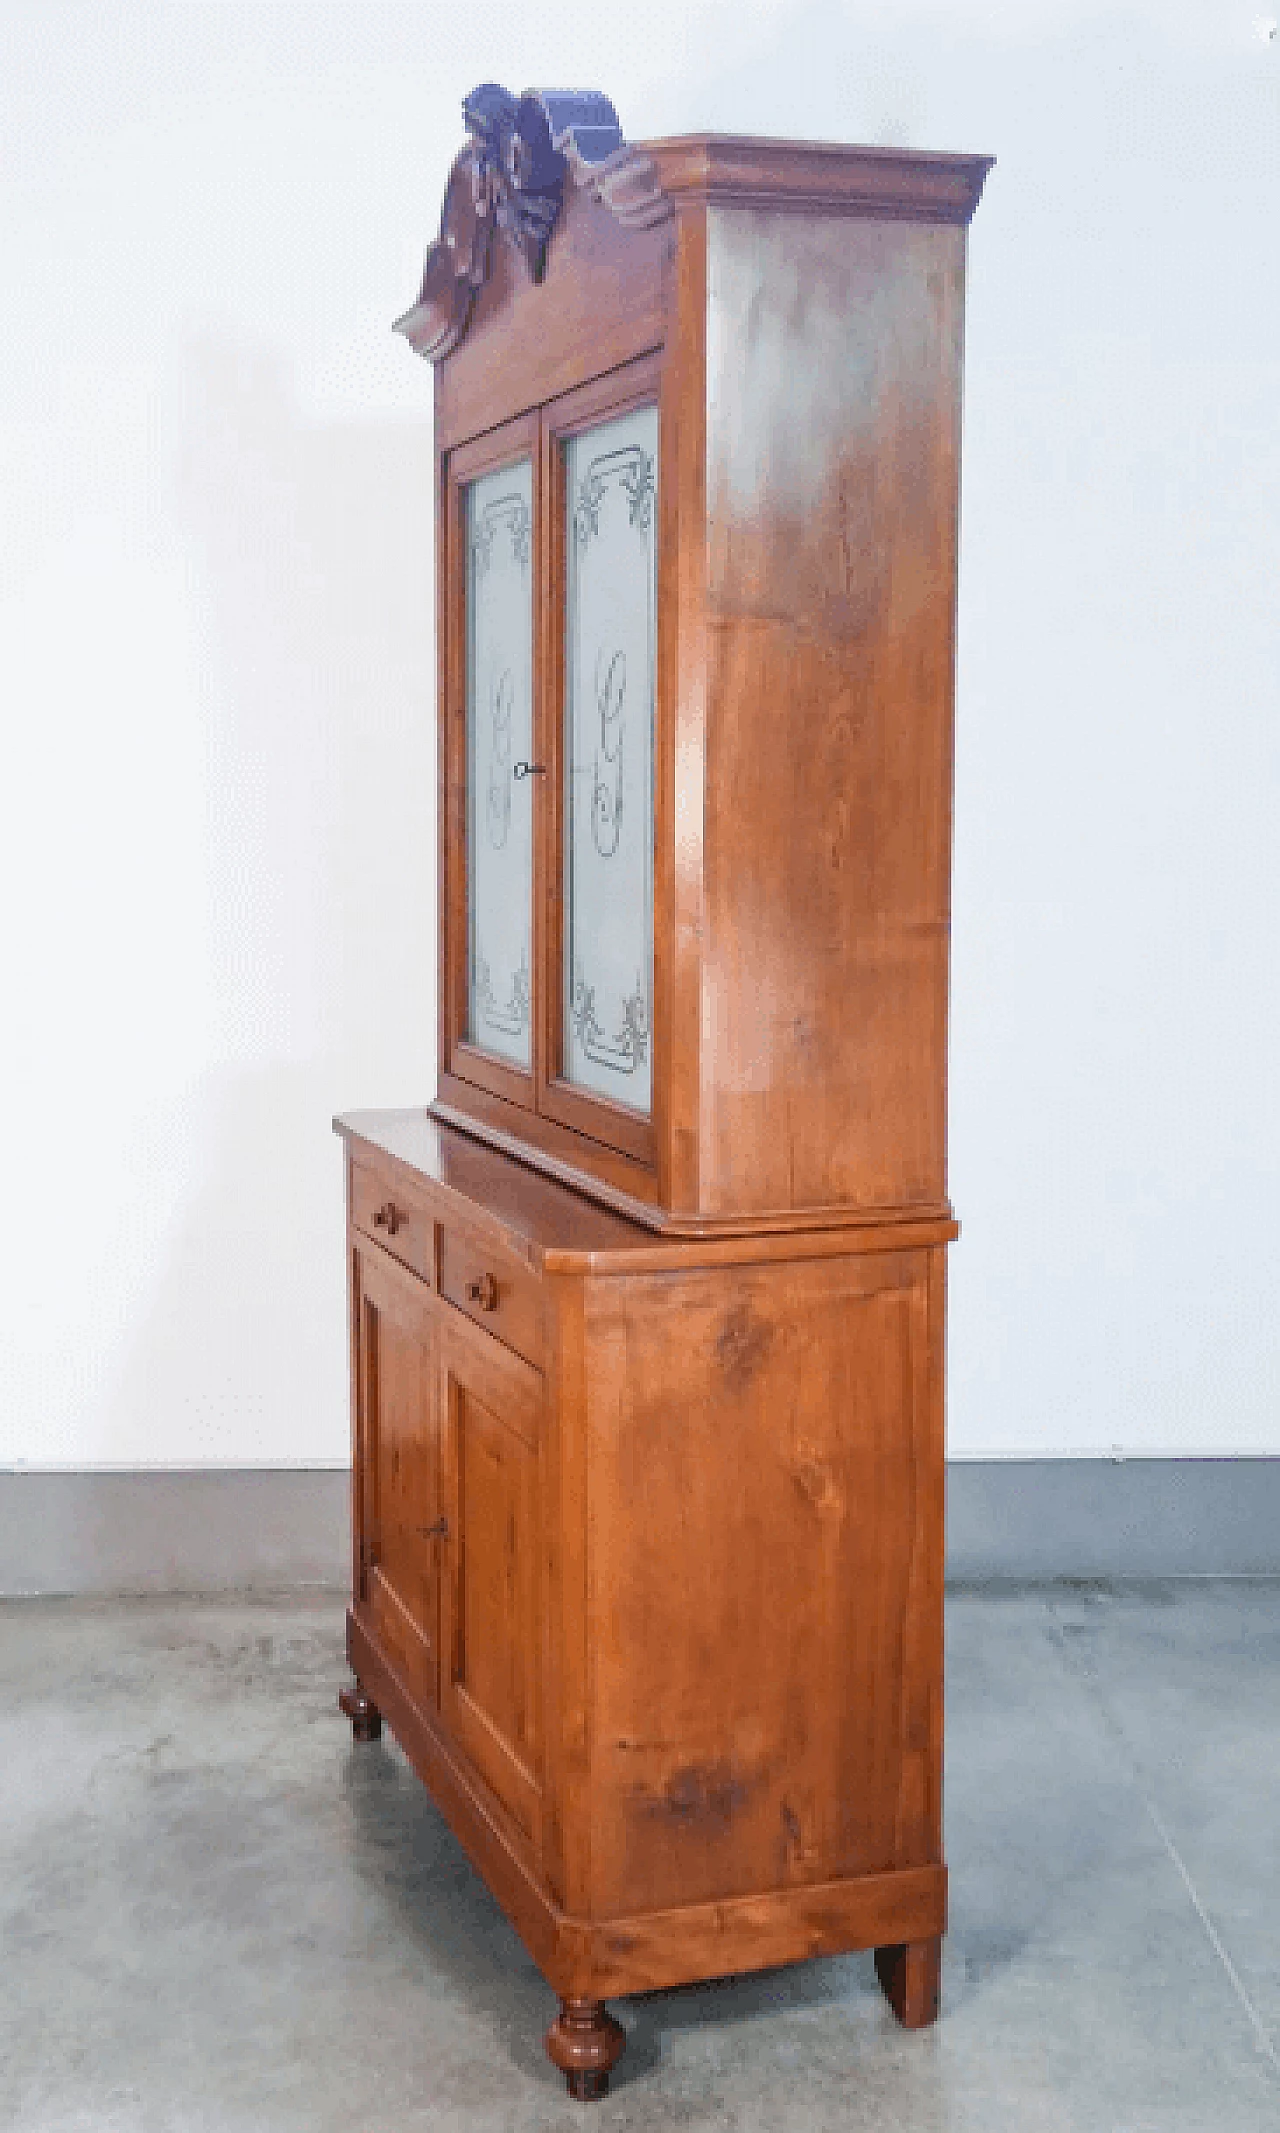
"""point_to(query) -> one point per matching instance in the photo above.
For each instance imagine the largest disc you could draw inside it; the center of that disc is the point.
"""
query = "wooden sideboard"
(647, 1306)
(648, 1570)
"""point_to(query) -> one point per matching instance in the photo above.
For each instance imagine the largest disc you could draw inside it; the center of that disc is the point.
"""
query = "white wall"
(216, 671)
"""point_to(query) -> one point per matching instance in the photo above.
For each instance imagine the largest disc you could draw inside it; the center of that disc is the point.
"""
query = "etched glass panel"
(499, 528)
(609, 716)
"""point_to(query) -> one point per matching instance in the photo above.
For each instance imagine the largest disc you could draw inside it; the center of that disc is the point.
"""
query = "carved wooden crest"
(510, 178)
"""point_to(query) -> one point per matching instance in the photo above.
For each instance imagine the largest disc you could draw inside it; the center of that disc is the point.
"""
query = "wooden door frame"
(636, 384)
(497, 448)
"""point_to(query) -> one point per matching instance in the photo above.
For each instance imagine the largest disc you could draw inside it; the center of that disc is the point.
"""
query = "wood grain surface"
(647, 1414)
(832, 386)
(766, 1492)
(550, 1226)
(801, 331)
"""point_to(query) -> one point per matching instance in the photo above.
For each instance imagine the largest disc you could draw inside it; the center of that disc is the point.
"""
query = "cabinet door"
(493, 775)
(610, 669)
(397, 1391)
(491, 1687)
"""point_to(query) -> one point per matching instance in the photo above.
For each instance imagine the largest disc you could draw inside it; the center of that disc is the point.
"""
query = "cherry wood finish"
(586, 2044)
(393, 1216)
(366, 1718)
(539, 1224)
(776, 1418)
(910, 1977)
(512, 176)
(820, 177)
(601, 303)
(400, 1448)
(648, 1448)
(498, 448)
(492, 1288)
(798, 320)
(587, 1115)
(491, 1684)
(659, 1621)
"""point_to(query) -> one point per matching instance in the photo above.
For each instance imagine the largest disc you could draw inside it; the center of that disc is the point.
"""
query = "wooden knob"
(388, 1217)
(438, 1531)
(483, 1292)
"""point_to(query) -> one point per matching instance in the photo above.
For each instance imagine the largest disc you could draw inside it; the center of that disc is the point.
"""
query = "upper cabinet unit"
(697, 431)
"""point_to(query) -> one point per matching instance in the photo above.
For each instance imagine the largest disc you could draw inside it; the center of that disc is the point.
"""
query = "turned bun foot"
(910, 1978)
(366, 1718)
(586, 2044)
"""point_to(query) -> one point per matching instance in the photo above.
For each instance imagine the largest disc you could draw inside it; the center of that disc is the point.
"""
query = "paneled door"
(491, 1681)
(401, 1528)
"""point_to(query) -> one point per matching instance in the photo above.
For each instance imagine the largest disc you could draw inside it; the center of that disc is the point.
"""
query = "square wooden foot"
(911, 1978)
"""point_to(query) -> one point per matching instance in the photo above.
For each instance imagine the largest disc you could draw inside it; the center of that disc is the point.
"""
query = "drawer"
(395, 1221)
(494, 1290)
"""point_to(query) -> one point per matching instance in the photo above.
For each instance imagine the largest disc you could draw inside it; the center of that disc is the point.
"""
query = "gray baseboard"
(253, 1530)
(1112, 1518)
(225, 1530)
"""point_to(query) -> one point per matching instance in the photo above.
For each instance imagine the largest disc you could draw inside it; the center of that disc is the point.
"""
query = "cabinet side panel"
(833, 372)
(358, 1484)
(682, 711)
(765, 1572)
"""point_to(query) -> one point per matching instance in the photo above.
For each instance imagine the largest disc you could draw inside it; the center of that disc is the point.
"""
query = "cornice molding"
(509, 182)
(509, 179)
(728, 170)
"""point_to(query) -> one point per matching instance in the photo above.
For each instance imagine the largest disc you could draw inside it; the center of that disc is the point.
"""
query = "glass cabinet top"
(498, 522)
(610, 653)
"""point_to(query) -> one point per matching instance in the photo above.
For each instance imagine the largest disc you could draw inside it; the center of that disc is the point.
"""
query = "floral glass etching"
(611, 472)
(499, 529)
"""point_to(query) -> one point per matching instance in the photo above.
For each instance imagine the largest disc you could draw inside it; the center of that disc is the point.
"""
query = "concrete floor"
(218, 1916)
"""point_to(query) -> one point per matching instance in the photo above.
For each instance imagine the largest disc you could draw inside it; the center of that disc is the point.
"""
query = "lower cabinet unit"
(648, 1571)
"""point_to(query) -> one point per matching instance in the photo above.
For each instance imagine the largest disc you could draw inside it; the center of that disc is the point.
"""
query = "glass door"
(610, 626)
(493, 782)
(551, 596)
(601, 457)
(499, 530)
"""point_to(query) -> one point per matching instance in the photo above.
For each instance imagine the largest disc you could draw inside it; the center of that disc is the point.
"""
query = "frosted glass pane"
(499, 526)
(610, 645)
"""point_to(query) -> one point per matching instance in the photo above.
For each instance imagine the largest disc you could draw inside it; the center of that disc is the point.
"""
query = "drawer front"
(399, 1224)
(494, 1291)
